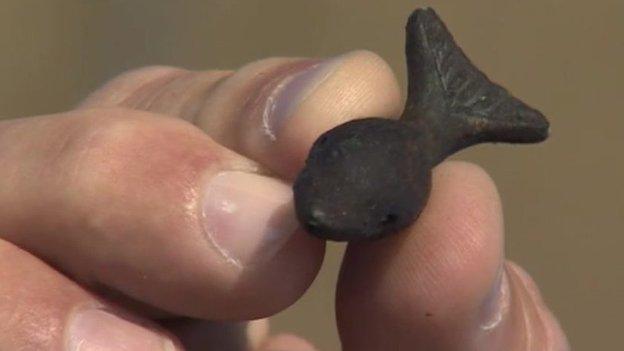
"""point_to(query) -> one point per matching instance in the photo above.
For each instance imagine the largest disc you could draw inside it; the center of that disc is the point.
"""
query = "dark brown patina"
(371, 177)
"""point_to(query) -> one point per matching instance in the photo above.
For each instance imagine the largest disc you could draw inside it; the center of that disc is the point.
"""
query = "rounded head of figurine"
(363, 180)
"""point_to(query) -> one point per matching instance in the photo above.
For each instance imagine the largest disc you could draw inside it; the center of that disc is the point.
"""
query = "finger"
(42, 310)
(151, 208)
(269, 110)
(440, 285)
(285, 342)
(166, 90)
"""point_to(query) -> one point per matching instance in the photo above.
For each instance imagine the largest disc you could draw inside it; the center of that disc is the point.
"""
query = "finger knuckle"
(123, 149)
(138, 79)
(130, 88)
(152, 71)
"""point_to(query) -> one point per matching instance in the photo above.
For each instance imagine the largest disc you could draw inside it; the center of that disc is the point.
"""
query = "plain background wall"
(564, 200)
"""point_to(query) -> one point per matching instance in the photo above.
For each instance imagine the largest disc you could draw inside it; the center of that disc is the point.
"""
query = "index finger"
(270, 110)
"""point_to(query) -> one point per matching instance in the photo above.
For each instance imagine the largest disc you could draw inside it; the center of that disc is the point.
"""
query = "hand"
(165, 195)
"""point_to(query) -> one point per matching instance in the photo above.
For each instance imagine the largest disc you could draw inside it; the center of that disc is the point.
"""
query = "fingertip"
(468, 175)
(361, 84)
(458, 239)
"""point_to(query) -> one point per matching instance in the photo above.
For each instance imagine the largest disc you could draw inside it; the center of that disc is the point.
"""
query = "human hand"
(121, 217)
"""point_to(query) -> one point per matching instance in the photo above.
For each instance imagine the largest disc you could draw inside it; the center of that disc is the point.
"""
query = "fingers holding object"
(151, 208)
(154, 209)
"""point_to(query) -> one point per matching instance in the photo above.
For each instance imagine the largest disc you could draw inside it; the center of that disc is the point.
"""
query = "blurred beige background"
(564, 200)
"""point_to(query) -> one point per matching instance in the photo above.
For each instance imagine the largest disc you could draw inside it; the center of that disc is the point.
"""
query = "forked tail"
(454, 100)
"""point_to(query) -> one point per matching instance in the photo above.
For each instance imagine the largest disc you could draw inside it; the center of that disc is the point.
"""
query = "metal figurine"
(371, 177)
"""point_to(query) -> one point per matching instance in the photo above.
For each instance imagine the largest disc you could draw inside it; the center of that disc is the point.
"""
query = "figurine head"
(363, 179)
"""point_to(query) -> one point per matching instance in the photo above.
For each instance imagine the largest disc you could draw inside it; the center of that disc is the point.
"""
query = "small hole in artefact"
(389, 219)
(312, 225)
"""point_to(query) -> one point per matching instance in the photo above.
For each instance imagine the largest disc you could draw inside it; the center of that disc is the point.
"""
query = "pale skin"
(116, 222)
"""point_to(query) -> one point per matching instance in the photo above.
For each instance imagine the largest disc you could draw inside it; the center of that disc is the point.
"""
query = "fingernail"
(496, 304)
(247, 217)
(99, 330)
(291, 91)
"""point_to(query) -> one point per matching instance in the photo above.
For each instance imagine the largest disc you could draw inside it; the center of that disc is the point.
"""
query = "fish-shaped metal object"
(371, 177)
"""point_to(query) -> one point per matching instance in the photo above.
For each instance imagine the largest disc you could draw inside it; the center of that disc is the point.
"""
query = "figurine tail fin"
(453, 99)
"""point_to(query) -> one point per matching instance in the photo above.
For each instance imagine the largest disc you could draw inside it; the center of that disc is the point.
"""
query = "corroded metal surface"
(371, 177)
